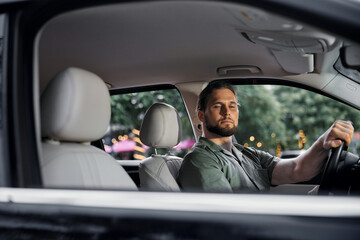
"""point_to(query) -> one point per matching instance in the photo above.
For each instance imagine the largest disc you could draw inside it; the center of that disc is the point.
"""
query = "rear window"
(122, 139)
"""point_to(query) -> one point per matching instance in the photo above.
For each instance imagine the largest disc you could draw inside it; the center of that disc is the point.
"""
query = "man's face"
(221, 114)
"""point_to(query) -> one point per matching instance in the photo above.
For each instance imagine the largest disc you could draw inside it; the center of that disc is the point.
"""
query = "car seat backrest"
(161, 128)
(75, 110)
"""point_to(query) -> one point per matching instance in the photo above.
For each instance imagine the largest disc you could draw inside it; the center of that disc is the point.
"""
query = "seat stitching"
(155, 177)
(162, 183)
(160, 168)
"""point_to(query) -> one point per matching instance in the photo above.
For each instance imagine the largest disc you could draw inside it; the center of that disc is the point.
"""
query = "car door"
(29, 211)
(18, 140)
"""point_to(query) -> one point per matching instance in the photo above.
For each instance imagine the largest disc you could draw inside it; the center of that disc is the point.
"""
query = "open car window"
(122, 139)
(55, 185)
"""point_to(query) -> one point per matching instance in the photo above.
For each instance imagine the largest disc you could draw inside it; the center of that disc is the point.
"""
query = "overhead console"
(295, 52)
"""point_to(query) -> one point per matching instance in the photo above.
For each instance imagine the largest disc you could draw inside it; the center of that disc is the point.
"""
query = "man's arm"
(307, 165)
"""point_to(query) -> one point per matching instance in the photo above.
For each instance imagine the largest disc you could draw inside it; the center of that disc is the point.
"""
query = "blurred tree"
(310, 112)
(260, 117)
(129, 109)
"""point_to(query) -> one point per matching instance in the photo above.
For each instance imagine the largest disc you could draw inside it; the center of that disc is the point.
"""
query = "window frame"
(149, 88)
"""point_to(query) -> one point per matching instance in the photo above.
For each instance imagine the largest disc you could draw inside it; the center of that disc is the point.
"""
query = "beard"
(221, 131)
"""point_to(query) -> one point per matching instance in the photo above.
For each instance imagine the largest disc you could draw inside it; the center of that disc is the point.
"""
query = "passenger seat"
(75, 110)
(161, 128)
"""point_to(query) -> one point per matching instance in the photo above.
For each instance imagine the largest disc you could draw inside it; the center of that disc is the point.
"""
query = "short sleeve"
(200, 171)
(265, 160)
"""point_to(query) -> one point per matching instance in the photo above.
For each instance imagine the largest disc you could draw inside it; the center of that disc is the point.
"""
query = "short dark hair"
(206, 92)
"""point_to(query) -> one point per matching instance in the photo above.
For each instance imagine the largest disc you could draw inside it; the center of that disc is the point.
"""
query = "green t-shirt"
(208, 167)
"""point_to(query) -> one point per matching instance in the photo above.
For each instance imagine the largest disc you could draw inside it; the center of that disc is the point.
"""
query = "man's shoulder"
(199, 149)
(261, 157)
(200, 153)
(249, 150)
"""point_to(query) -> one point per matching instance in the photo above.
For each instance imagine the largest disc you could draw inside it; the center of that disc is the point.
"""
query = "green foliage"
(310, 112)
(259, 116)
(129, 109)
(285, 111)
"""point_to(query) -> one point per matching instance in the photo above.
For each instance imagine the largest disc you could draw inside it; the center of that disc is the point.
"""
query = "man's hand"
(339, 130)
(308, 164)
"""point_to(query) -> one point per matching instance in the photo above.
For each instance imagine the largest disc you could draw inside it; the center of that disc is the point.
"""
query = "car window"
(127, 111)
(286, 120)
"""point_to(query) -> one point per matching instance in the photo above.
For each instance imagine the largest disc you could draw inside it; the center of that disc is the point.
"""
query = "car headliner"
(187, 43)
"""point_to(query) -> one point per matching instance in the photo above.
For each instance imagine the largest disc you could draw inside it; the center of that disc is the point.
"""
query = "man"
(216, 164)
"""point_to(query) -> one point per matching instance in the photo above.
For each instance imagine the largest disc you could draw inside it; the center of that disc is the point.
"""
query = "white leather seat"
(161, 128)
(75, 110)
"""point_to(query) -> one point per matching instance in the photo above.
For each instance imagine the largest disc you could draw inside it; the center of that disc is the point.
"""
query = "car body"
(151, 45)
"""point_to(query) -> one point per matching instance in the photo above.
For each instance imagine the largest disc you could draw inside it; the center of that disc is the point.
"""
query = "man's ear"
(201, 116)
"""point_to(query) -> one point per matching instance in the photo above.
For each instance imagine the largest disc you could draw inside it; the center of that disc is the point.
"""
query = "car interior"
(84, 56)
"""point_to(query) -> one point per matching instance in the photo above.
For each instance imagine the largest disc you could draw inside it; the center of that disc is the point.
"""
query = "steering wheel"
(328, 177)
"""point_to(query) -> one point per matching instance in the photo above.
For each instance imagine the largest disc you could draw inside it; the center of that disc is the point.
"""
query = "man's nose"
(225, 110)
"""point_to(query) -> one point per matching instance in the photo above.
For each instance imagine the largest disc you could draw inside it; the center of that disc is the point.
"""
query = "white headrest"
(161, 126)
(75, 107)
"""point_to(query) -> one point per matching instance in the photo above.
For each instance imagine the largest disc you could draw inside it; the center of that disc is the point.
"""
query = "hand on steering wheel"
(328, 177)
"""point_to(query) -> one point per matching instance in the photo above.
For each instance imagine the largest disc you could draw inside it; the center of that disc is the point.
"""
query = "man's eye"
(216, 106)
